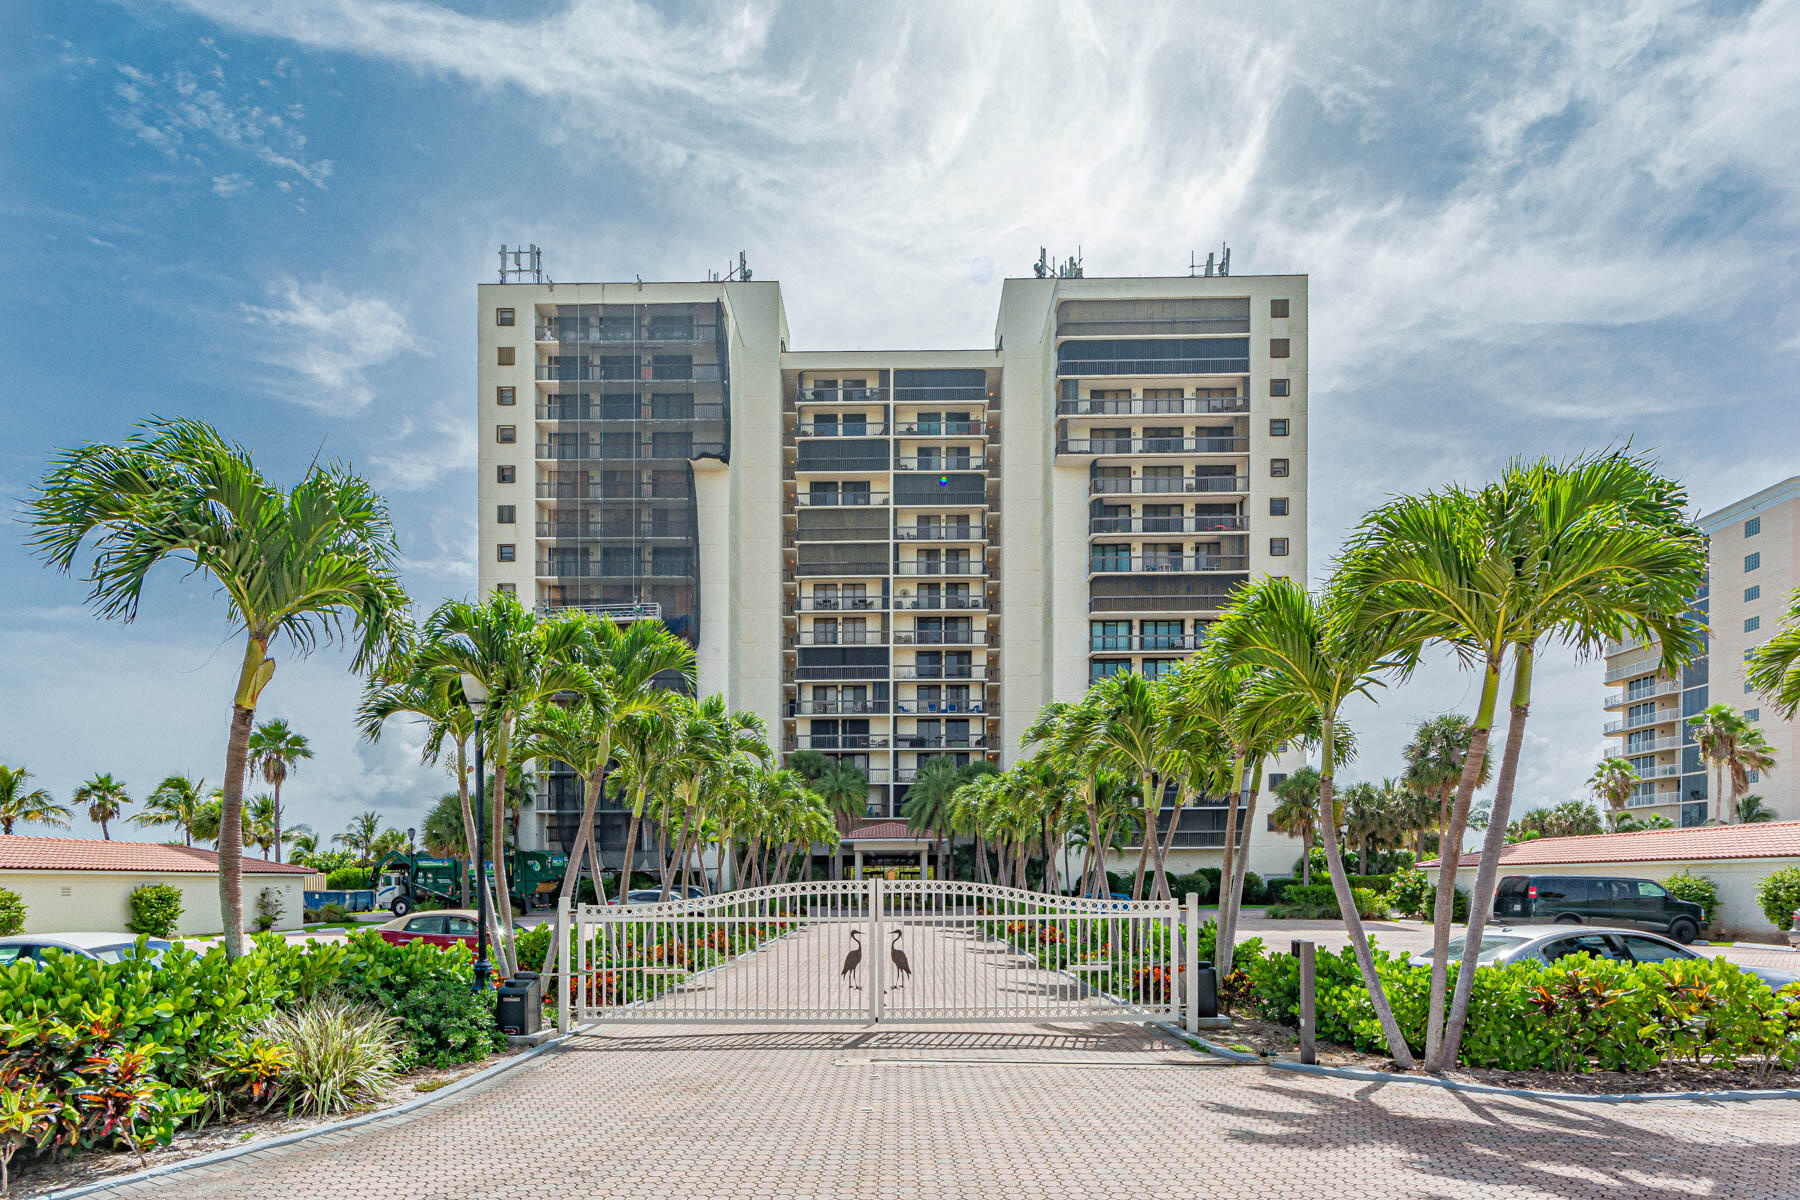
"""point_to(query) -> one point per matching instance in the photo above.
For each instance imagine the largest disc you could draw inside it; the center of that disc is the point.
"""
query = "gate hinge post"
(564, 992)
(1192, 974)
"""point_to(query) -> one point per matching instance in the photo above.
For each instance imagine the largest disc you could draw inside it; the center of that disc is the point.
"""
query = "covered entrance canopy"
(881, 847)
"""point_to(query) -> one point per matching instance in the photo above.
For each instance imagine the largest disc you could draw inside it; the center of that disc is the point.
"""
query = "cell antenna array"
(1218, 264)
(522, 264)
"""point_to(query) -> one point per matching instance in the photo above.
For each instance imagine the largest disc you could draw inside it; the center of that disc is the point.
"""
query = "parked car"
(107, 947)
(1512, 944)
(655, 896)
(446, 927)
(1596, 900)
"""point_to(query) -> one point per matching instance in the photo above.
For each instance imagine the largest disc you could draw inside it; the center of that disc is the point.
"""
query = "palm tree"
(1735, 748)
(1614, 782)
(1296, 813)
(104, 797)
(276, 750)
(520, 660)
(1125, 733)
(845, 791)
(1304, 648)
(359, 837)
(442, 835)
(1435, 761)
(927, 806)
(208, 816)
(1773, 668)
(303, 844)
(1752, 811)
(642, 739)
(22, 804)
(259, 823)
(302, 564)
(176, 801)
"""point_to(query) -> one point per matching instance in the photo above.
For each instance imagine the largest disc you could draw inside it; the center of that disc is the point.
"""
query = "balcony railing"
(1615, 674)
(592, 452)
(841, 604)
(837, 741)
(1101, 485)
(841, 395)
(841, 637)
(1206, 523)
(810, 499)
(557, 569)
(1195, 601)
(1152, 326)
(1651, 746)
(647, 373)
(808, 569)
(940, 533)
(1666, 771)
(924, 566)
(947, 465)
(1143, 643)
(583, 410)
(940, 637)
(934, 707)
(624, 335)
(1071, 367)
(940, 428)
(1153, 445)
(837, 708)
(827, 674)
(569, 530)
(1124, 564)
(923, 741)
(1649, 799)
(837, 533)
(1154, 406)
(833, 429)
(940, 671)
(621, 614)
(935, 603)
(859, 465)
(1623, 697)
(1657, 718)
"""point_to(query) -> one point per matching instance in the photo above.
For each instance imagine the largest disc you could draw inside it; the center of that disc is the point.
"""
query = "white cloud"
(330, 340)
(230, 185)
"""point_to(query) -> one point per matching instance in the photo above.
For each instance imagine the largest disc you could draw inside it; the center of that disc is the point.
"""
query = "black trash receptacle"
(521, 1006)
(1209, 992)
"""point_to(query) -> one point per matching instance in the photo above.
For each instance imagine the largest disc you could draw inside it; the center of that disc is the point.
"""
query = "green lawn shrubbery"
(1318, 902)
(1779, 896)
(155, 910)
(12, 913)
(1685, 885)
(348, 879)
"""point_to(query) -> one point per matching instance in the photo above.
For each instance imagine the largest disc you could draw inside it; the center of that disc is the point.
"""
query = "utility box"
(521, 1006)
(1208, 1006)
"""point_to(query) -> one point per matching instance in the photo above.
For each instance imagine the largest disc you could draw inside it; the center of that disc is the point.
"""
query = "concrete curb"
(1364, 1075)
(165, 1170)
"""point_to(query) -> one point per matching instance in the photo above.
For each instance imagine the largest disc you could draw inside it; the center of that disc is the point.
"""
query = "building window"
(506, 474)
(507, 552)
(506, 396)
(1748, 687)
(503, 316)
(1278, 426)
(1752, 593)
(1278, 547)
(1278, 468)
(1753, 714)
(1278, 308)
(1752, 624)
(1278, 347)
(1752, 561)
(1278, 387)
(1278, 506)
(506, 514)
(506, 435)
(504, 356)
(507, 589)
(1752, 527)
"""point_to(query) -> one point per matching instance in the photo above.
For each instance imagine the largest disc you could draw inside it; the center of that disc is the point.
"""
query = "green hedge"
(155, 910)
(1318, 902)
(1685, 885)
(12, 912)
(1779, 896)
(348, 879)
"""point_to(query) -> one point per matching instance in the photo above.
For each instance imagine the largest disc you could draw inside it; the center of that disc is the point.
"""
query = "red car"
(446, 927)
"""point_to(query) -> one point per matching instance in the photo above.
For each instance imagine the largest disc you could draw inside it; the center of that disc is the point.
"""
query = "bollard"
(1309, 1052)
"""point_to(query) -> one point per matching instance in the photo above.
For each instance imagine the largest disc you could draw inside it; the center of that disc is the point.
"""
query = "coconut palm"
(1614, 782)
(1304, 648)
(309, 565)
(359, 837)
(176, 801)
(1735, 748)
(22, 804)
(302, 843)
(259, 823)
(710, 741)
(104, 797)
(1296, 813)
(276, 751)
(208, 817)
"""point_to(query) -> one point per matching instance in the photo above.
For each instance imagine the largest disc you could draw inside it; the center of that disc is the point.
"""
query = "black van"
(1596, 900)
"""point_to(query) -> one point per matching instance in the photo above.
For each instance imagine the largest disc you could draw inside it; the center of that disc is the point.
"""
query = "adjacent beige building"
(897, 555)
(1752, 568)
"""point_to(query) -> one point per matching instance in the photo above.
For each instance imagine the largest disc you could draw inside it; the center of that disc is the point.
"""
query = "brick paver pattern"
(1054, 1109)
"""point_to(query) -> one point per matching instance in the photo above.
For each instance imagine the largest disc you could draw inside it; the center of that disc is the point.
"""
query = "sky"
(1530, 228)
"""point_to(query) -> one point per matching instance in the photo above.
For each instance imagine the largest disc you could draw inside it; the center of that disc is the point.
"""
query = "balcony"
(1101, 485)
(1206, 523)
(1153, 445)
(1651, 799)
(596, 410)
(940, 637)
(837, 741)
(1084, 367)
(1649, 747)
(938, 708)
(1667, 716)
(841, 604)
(1194, 601)
(942, 465)
(1625, 697)
(837, 395)
(1650, 667)
(841, 637)
(831, 674)
(954, 532)
(926, 741)
(834, 429)
(1152, 326)
(940, 671)
(647, 373)
(923, 566)
(619, 614)
(837, 708)
(596, 531)
(850, 465)
(1173, 563)
(807, 570)
(592, 452)
(1154, 643)
(810, 499)
(940, 428)
(932, 602)
(815, 532)
(557, 569)
(625, 335)
(1666, 771)
(1154, 406)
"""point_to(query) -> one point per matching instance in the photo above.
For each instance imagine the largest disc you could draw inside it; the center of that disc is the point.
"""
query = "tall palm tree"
(1734, 748)
(1296, 814)
(1614, 782)
(1304, 647)
(927, 806)
(309, 564)
(845, 791)
(176, 801)
(359, 837)
(22, 804)
(209, 816)
(1126, 735)
(520, 659)
(276, 751)
(1773, 668)
(259, 823)
(1436, 758)
(303, 844)
(105, 797)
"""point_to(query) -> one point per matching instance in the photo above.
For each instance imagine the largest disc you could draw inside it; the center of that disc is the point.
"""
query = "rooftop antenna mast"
(522, 264)
(1068, 268)
(737, 274)
(1216, 264)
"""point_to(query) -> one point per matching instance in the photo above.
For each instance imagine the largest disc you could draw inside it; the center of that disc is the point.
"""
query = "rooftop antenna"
(1217, 264)
(737, 274)
(522, 264)
(1041, 267)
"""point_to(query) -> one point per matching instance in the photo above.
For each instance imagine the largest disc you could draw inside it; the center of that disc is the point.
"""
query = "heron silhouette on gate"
(853, 961)
(897, 956)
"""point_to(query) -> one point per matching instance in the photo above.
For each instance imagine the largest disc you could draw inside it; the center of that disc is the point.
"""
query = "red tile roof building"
(85, 854)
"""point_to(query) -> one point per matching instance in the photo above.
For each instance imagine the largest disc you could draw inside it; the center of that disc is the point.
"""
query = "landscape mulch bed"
(35, 1176)
(1250, 1035)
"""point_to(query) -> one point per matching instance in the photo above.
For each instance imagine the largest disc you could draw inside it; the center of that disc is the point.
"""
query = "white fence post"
(877, 951)
(563, 990)
(1193, 961)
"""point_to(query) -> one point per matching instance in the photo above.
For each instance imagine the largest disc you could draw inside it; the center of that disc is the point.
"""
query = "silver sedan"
(1541, 944)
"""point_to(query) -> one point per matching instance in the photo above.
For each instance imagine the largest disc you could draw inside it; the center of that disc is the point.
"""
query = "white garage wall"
(97, 901)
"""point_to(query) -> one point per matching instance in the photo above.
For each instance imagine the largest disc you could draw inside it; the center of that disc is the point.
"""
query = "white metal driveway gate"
(879, 950)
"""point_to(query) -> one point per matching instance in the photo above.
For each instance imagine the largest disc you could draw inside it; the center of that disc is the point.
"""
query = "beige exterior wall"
(99, 901)
(1738, 914)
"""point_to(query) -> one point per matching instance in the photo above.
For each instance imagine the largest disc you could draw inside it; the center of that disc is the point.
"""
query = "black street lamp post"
(477, 696)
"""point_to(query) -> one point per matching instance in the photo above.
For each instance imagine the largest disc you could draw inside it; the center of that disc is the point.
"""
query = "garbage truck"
(405, 882)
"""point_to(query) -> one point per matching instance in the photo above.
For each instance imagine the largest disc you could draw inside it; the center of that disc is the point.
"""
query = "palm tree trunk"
(1231, 883)
(1450, 856)
(252, 677)
(631, 837)
(1166, 844)
(497, 835)
(1228, 860)
(277, 818)
(674, 859)
(1340, 886)
(468, 816)
(1152, 806)
(1481, 900)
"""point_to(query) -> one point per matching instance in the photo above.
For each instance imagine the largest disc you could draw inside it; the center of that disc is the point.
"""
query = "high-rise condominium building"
(897, 555)
(1753, 565)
